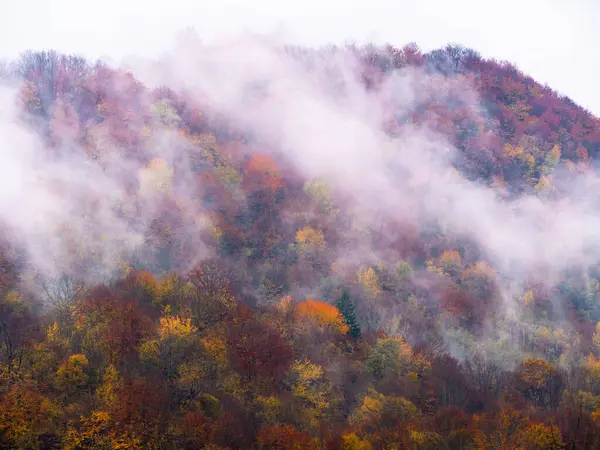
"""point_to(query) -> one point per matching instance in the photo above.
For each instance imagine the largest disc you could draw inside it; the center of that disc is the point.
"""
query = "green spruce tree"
(346, 307)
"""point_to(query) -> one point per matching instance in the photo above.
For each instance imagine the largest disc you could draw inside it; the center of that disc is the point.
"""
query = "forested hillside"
(248, 246)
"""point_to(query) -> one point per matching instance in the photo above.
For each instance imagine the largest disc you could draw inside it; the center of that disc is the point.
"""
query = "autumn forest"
(252, 246)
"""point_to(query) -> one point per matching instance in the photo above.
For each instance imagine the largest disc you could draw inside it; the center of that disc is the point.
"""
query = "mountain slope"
(178, 236)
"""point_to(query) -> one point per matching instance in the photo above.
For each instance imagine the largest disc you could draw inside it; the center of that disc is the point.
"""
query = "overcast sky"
(555, 41)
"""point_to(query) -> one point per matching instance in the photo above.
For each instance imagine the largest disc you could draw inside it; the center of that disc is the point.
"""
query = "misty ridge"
(315, 114)
(451, 198)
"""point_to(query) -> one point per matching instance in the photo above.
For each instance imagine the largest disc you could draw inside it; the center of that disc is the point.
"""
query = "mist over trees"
(250, 246)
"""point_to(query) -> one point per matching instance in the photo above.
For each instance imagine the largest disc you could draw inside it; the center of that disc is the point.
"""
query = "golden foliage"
(536, 372)
(350, 441)
(308, 384)
(449, 263)
(321, 193)
(450, 259)
(538, 436)
(425, 439)
(370, 281)
(285, 304)
(55, 337)
(595, 417)
(481, 268)
(24, 415)
(98, 431)
(371, 409)
(528, 297)
(394, 356)
(520, 154)
(307, 374)
(503, 431)
(376, 405)
(270, 408)
(591, 367)
(310, 238)
(111, 383)
(72, 373)
(228, 381)
(175, 326)
(322, 313)
(216, 347)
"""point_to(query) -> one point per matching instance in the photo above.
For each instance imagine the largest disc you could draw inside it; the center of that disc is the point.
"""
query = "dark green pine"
(346, 307)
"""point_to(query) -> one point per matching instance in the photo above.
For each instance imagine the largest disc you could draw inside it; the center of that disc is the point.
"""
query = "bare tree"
(211, 277)
(61, 293)
(484, 374)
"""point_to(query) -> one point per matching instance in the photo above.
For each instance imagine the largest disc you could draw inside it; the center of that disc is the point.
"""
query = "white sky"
(555, 41)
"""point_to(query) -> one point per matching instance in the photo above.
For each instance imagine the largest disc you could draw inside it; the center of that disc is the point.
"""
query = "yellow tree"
(25, 415)
(168, 350)
(98, 431)
(538, 436)
(321, 193)
(72, 376)
(112, 383)
(394, 357)
(309, 240)
(501, 431)
(553, 156)
(370, 282)
(350, 441)
(449, 263)
(539, 381)
(591, 373)
(311, 390)
(379, 410)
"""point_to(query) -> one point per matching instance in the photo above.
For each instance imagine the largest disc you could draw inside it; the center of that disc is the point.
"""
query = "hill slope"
(262, 247)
